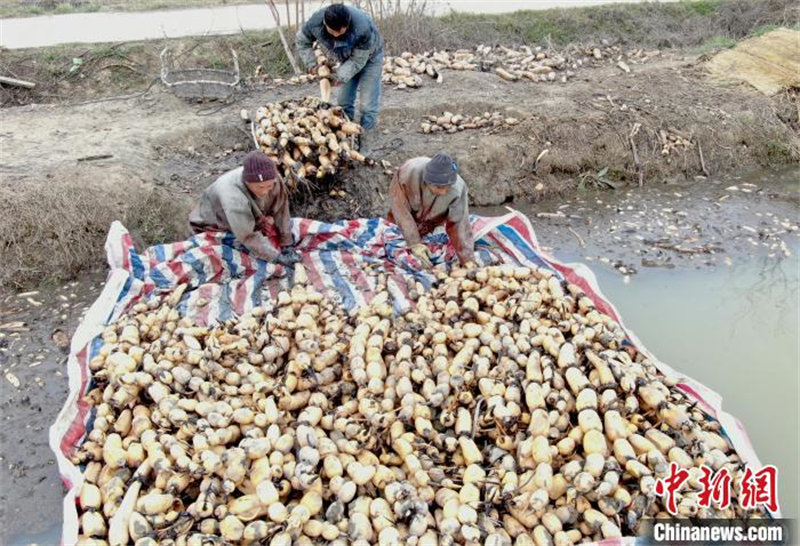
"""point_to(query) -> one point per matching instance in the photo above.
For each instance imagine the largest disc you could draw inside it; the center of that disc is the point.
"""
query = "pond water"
(730, 320)
(735, 330)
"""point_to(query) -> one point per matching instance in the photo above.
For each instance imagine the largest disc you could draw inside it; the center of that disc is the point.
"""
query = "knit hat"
(258, 168)
(441, 170)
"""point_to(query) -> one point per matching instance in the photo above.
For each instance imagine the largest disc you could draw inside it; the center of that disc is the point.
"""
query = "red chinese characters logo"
(755, 489)
(760, 488)
(717, 488)
(667, 487)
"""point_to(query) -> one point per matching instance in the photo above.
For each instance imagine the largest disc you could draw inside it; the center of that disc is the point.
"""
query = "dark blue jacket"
(353, 49)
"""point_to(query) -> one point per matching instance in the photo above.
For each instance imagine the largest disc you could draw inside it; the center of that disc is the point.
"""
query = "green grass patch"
(715, 43)
(764, 29)
(778, 153)
(703, 7)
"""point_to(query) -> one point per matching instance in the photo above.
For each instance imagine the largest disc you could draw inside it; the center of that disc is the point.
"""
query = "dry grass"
(58, 231)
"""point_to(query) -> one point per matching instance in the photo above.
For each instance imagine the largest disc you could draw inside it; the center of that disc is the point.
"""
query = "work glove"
(288, 257)
(422, 254)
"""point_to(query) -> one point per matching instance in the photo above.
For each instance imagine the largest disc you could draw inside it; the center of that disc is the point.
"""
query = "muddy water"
(736, 331)
(729, 319)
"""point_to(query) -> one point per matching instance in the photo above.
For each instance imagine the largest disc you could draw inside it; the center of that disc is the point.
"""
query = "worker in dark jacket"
(350, 37)
(241, 201)
(426, 193)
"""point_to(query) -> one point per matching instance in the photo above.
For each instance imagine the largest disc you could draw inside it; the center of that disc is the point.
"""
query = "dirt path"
(582, 124)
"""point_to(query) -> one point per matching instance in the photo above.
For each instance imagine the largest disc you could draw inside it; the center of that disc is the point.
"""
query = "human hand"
(288, 257)
(422, 254)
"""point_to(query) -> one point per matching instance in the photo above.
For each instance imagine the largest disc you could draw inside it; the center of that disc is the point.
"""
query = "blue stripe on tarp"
(227, 255)
(197, 266)
(137, 265)
(121, 297)
(341, 285)
(94, 347)
(225, 306)
(183, 305)
(485, 256)
(158, 250)
(259, 277)
(159, 278)
(530, 254)
(368, 233)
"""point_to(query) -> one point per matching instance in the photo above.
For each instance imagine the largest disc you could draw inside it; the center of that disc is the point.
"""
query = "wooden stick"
(580, 239)
(702, 160)
(18, 83)
(634, 130)
(286, 47)
(95, 157)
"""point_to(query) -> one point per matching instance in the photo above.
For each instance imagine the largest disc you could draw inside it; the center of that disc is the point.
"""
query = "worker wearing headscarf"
(241, 201)
(426, 193)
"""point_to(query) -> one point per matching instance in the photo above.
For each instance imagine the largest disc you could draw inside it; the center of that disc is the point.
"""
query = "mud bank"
(144, 160)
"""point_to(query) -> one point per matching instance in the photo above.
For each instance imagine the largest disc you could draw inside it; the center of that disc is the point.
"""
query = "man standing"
(241, 201)
(351, 37)
(428, 192)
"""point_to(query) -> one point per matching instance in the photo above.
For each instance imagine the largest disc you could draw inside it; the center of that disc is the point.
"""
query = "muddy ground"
(686, 215)
(144, 160)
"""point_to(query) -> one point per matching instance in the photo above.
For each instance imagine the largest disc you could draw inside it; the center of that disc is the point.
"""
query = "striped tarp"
(342, 259)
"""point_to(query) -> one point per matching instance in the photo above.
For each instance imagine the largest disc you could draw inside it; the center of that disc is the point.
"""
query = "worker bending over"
(428, 192)
(348, 35)
(241, 201)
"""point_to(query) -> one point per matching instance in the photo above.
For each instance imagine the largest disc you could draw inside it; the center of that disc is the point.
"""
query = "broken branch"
(286, 47)
(633, 133)
(17, 83)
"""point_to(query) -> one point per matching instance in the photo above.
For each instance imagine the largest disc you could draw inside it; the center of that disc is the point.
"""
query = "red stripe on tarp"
(217, 267)
(77, 429)
(573, 278)
(240, 295)
(304, 228)
(247, 261)
(127, 244)
(178, 269)
(314, 271)
(357, 273)
(696, 396)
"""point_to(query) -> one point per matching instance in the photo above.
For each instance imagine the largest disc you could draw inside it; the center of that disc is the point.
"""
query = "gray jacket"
(353, 49)
(227, 205)
(418, 211)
